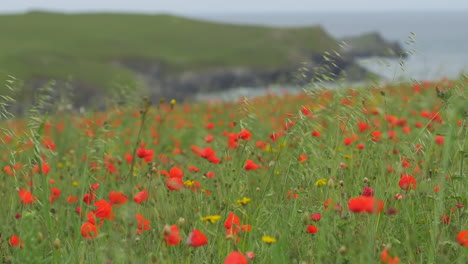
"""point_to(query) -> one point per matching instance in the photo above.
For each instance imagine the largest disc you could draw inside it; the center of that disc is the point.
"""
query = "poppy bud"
(181, 221)
(57, 243)
(40, 237)
(342, 250)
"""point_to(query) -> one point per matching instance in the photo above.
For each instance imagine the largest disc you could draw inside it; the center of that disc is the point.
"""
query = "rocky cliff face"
(183, 85)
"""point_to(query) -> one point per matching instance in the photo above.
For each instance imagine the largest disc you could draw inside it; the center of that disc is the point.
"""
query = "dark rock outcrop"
(183, 85)
(371, 44)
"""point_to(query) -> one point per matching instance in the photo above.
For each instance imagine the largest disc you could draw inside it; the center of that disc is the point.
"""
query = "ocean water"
(439, 45)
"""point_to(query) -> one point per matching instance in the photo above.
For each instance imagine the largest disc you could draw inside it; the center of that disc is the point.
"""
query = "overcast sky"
(228, 6)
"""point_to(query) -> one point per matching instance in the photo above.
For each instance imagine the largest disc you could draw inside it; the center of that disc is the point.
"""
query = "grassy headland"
(88, 47)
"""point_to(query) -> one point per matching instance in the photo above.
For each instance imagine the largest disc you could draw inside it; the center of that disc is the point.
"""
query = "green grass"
(87, 144)
(86, 46)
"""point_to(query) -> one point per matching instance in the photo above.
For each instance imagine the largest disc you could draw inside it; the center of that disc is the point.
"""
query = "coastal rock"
(371, 44)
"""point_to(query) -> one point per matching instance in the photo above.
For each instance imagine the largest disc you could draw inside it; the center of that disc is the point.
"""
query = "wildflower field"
(364, 175)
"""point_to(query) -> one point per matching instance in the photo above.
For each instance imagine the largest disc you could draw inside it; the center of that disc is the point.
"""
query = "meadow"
(357, 175)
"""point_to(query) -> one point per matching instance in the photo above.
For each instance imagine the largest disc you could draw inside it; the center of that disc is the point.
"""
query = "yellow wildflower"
(211, 218)
(189, 183)
(268, 239)
(321, 182)
(244, 201)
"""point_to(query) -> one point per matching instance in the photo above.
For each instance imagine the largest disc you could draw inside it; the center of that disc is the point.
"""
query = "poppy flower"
(376, 135)
(26, 197)
(72, 199)
(236, 258)
(311, 229)
(316, 134)
(54, 195)
(176, 173)
(407, 182)
(146, 154)
(117, 198)
(439, 140)
(15, 241)
(347, 141)
(141, 197)
(174, 184)
(386, 259)
(171, 235)
(305, 111)
(231, 220)
(316, 217)
(143, 224)
(197, 239)
(244, 134)
(89, 230)
(104, 210)
(209, 174)
(462, 238)
(302, 158)
(365, 204)
(250, 165)
(89, 198)
(367, 191)
(193, 169)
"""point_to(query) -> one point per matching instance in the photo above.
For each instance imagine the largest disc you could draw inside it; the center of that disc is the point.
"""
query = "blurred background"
(94, 53)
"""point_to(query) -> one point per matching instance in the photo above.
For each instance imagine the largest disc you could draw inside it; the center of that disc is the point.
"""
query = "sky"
(229, 6)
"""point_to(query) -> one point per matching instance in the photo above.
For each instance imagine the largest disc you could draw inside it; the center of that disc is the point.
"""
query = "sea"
(437, 42)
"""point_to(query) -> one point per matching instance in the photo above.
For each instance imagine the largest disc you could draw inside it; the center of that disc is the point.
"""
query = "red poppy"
(174, 184)
(171, 235)
(250, 165)
(311, 229)
(302, 158)
(146, 154)
(316, 134)
(439, 140)
(236, 258)
(376, 135)
(72, 199)
(104, 210)
(54, 195)
(347, 141)
(89, 230)
(365, 204)
(26, 197)
(210, 174)
(305, 111)
(367, 191)
(209, 138)
(15, 241)
(143, 224)
(89, 198)
(316, 217)
(231, 220)
(193, 169)
(197, 239)
(176, 173)
(141, 197)
(407, 182)
(386, 259)
(244, 134)
(462, 238)
(117, 198)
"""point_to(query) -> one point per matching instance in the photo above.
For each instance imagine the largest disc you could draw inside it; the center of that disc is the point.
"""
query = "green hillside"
(86, 46)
